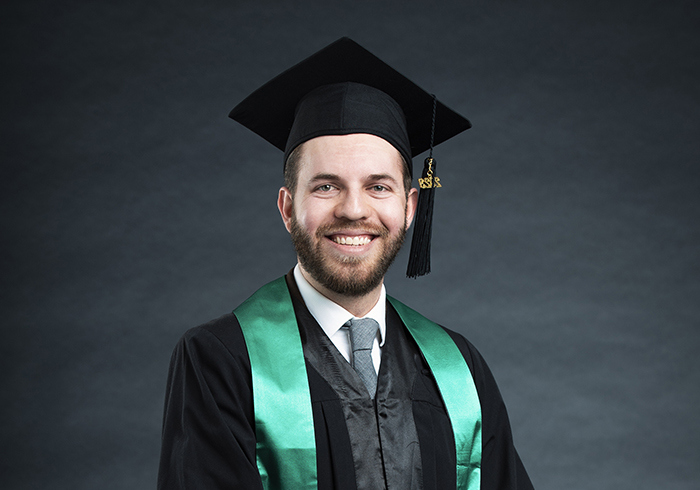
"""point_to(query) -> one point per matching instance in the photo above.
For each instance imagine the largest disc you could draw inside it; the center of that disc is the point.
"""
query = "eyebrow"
(336, 177)
(318, 177)
(375, 177)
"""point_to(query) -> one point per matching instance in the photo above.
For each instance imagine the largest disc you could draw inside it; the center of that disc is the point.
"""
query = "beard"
(349, 276)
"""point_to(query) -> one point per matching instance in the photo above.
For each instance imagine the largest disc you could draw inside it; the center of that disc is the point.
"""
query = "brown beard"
(352, 277)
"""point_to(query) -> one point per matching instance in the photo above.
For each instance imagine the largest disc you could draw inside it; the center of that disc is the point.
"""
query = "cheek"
(310, 216)
(394, 216)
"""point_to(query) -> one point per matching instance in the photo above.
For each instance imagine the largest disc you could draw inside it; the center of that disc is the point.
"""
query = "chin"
(355, 280)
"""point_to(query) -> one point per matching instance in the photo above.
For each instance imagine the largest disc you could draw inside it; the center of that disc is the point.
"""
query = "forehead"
(350, 155)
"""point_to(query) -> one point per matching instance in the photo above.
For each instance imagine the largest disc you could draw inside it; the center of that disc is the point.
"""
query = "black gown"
(209, 431)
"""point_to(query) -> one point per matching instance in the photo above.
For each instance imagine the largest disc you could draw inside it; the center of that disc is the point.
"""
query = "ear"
(411, 204)
(284, 204)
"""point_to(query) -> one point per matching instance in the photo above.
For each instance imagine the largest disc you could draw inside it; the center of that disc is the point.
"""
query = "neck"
(358, 306)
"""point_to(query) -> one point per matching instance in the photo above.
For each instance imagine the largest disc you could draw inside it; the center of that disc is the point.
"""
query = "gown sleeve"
(208, 439)
(501, 467)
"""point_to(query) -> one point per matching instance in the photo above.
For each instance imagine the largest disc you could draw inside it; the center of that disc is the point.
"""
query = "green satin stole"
(284, 428)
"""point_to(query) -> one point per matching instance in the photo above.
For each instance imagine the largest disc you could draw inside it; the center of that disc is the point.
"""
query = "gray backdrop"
(566, 238)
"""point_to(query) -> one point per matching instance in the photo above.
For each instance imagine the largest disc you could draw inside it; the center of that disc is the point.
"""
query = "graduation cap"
(345, 89)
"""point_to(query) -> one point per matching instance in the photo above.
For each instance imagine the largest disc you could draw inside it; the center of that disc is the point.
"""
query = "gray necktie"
(363, 331)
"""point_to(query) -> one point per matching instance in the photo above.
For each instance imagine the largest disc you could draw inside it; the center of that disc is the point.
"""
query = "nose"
(353, 205)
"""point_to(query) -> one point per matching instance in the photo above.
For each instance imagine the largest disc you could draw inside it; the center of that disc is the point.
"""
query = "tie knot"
(363, 331)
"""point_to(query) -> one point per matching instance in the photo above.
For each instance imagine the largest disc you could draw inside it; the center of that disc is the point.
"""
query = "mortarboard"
(345, 89)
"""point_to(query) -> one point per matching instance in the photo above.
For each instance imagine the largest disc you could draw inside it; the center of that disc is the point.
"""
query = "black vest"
(384, 441)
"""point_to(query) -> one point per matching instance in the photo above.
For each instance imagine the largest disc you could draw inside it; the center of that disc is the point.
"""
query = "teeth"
(351, 241)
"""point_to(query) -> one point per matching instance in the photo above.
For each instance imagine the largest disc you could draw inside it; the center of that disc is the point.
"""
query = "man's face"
(349, 213)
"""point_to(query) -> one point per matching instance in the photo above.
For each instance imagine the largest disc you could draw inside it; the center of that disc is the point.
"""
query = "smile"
(353, 241)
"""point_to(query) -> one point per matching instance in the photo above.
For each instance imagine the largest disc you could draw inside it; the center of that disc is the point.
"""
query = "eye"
(379, 188)
(325, 188)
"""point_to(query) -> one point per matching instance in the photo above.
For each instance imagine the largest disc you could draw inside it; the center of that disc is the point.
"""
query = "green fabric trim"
(284, 425)
(457, 389)
(286, 445)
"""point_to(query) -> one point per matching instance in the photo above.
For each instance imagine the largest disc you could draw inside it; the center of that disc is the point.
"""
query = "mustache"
(347, 225)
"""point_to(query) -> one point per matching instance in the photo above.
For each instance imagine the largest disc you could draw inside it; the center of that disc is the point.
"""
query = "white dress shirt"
(332, 318)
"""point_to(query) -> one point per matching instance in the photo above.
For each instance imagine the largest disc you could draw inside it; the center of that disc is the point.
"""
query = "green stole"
(284, 427)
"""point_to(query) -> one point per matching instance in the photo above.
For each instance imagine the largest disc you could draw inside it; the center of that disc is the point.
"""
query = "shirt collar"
(331, 316)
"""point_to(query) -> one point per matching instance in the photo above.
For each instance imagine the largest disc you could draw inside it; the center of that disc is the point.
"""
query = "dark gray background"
(566, 238)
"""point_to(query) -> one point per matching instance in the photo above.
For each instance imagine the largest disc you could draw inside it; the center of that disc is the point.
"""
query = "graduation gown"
(209, 441)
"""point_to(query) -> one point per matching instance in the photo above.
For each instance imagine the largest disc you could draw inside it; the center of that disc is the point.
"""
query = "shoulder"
(406, 313)
(221, 336)
(470, 353)
(476, 362)
(212, 354)
(480, 371)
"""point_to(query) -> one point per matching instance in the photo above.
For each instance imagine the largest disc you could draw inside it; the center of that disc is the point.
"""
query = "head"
(347, 204)
(343, 89)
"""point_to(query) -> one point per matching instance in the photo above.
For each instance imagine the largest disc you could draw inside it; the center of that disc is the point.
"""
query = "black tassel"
(419, 256)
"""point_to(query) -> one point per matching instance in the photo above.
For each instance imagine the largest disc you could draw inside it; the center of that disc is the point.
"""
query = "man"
(321, 380)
